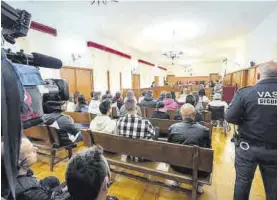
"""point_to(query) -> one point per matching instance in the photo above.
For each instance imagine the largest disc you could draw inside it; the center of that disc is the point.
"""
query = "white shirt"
(93, 107)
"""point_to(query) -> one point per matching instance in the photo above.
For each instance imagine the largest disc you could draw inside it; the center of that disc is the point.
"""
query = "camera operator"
(53, 106)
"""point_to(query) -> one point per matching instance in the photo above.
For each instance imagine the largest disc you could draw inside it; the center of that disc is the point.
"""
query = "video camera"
(15, 23)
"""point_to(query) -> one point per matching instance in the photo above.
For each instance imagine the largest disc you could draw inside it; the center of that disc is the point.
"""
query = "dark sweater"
(160, 115)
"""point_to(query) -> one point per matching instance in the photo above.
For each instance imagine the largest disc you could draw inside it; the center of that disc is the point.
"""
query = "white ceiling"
(204, 30)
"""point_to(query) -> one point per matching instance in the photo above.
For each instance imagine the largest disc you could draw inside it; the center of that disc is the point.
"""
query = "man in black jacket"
(189, 132)
(148, 100)
(254, 110)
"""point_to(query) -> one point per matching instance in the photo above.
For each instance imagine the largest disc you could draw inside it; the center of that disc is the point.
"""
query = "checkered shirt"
(134, 126)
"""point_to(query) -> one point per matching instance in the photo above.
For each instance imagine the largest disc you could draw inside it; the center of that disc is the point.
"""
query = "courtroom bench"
(46, 139)
(192, 157)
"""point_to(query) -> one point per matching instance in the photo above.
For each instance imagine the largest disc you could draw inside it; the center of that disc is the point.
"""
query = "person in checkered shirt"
(133, 126)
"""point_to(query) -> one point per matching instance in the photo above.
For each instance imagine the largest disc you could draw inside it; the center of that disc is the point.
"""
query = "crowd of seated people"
(85, 183)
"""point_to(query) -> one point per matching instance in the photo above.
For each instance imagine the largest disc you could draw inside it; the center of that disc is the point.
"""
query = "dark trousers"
(246, 162)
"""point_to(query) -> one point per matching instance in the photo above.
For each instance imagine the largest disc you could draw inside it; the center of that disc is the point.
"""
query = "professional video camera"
(15, 23)
(21, 92)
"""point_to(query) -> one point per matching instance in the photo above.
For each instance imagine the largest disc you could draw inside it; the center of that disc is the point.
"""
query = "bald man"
(254, 110)
(189, 132)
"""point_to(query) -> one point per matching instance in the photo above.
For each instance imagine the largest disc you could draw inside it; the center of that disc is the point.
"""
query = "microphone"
(46, 61)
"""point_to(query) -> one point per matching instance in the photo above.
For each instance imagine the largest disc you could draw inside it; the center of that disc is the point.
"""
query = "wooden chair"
(142, 109)
(46, 138)
(81, 118)
(192, 157)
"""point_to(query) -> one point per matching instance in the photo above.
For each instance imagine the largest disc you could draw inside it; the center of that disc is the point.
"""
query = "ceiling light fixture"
(173, 54)
(105, 2)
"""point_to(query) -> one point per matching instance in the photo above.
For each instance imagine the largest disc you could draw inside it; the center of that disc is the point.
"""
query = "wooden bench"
(81, 118)
(192, 157)
(163, 124)
(47, 139)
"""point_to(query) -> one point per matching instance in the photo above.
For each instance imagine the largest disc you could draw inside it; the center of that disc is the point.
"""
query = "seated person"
(133, 126)
(109, 95)
(191, 100)
(88, 175)
(130, 95)
(27, 185)
(70, 106)
(202, 96)
(161, 97)
(198, 104)
(103, 122)
(160, 113)
(217, 102)
(183, 96)
(169, 103)
(142, 96)
(82, 105)
(93, 107)
(148, 100)
(67, 130)
(118, 100)
(188, 132)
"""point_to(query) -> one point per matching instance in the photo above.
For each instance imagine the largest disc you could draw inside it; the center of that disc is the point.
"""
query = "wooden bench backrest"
(81, 118)
(149, 111)
(163, 124)
(171, 114)
(174, 154)
(47, 134)
(87, 137)
(114, 113)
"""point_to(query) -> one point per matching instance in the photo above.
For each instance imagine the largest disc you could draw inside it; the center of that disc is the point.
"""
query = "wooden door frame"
(108, 80)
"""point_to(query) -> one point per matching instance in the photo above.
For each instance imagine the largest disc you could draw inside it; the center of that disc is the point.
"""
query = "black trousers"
(246, 162)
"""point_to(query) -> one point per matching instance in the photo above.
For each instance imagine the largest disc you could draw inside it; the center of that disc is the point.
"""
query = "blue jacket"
(254, 110)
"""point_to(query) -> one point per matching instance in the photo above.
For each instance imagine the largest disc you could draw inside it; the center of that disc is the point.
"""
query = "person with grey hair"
(130, 95)
(217, 102)
(189, 132)
(94, 104)
(254, 110)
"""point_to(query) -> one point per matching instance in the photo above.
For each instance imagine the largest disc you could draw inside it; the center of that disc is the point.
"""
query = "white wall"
(64, 45)
(198, 69)
(262, 41)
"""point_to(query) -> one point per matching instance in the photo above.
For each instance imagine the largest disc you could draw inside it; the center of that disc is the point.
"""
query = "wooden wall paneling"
(171, 79)
(157, 80)
(108, 80)
(69, 75)
(135, 81)
(244, 78)
(84, 81)
(214, 76)
(252, 76)
(228, 79)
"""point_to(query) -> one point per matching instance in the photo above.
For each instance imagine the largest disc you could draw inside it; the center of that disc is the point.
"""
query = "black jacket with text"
(254, 110)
